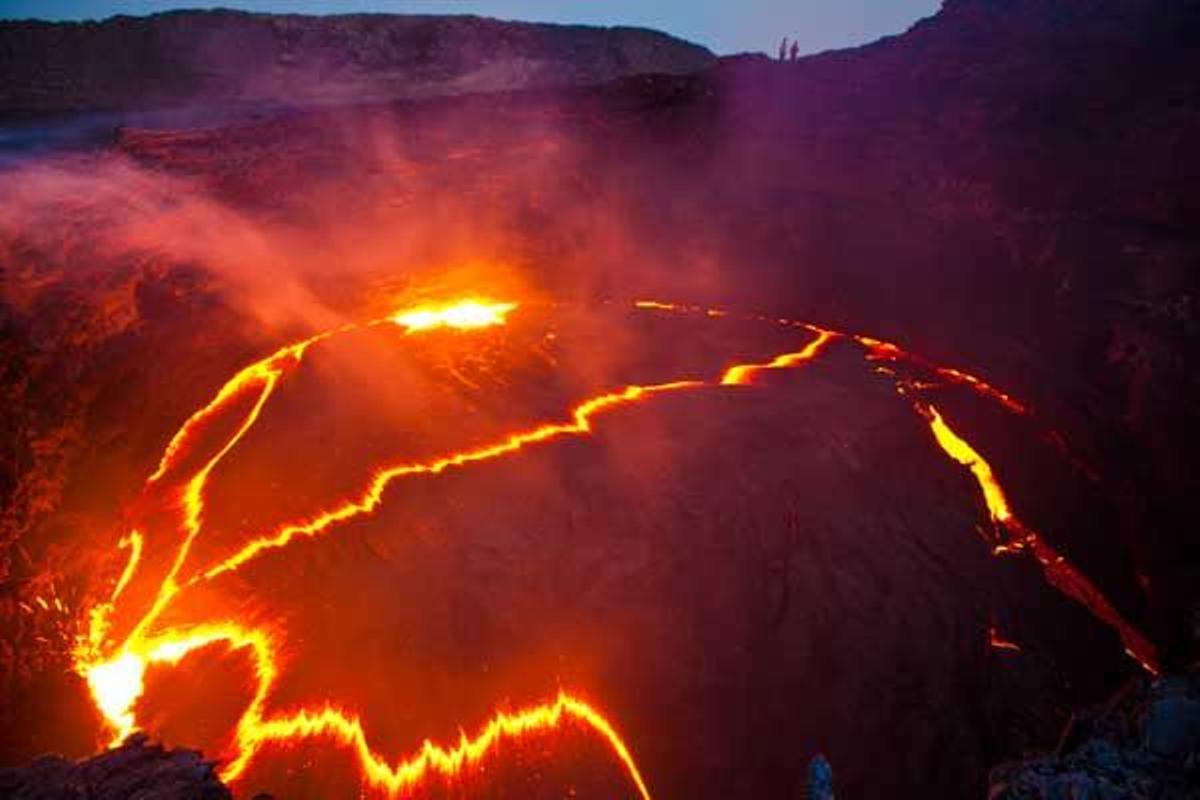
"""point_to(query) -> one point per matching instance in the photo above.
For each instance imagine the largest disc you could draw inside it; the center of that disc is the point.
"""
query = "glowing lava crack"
(115, 670)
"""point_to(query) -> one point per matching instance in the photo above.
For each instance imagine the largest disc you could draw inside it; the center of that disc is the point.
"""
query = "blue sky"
(726, 26)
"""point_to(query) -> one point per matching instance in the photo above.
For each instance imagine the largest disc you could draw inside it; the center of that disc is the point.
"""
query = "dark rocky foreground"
(189, 57)
(1144, 743)
(137, 769)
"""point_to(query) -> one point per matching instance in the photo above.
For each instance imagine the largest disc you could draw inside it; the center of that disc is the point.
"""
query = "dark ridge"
(1144, 742)
(183, 58)
(135, 769)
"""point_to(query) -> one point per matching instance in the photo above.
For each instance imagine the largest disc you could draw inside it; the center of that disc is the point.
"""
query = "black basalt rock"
(1144, 744)
(135, 769)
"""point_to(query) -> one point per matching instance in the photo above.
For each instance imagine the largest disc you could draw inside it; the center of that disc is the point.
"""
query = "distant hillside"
(183, 57)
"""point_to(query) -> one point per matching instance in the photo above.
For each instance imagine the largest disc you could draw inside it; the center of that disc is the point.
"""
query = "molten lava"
(957, 448)
(743, 374)
(116, 676)
(115, 667)
(580, 422)
(463, 315)
(1015, 535)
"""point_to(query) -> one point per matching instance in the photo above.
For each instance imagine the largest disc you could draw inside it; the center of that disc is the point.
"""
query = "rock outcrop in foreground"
(136, 769)
(1145, 743)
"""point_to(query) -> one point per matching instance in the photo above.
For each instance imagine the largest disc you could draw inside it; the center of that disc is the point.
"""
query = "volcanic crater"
(598, 432)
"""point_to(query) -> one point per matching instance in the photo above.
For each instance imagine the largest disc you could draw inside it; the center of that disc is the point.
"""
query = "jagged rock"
(1144, 745)
(136, 769)
(1171, 721)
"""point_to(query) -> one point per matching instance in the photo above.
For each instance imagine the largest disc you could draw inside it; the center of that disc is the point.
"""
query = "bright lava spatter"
(115, 671)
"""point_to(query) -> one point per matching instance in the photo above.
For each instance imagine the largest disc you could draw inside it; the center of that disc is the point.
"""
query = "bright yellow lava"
(1014, 535)
(116, 685)
(461, 315)
(743, 374)
(958, 449)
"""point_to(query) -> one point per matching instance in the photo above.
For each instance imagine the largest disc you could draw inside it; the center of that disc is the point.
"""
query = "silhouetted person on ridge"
(783, 49)
(795, 51)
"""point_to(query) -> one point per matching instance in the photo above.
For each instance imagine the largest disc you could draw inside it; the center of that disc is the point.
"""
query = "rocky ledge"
(1145, 743)
(183, 58)
(136, 769)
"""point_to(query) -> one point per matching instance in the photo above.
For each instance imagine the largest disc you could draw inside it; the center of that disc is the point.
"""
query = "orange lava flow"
(886, 351)
(743, 374)
(877, 349)
(1017, 536)
(958, 449)
(115, 675)
(347, 730)
(983, 387)
(580, 422)
(1059, 573)
(262, 373)
(134, 541)
(115, 668)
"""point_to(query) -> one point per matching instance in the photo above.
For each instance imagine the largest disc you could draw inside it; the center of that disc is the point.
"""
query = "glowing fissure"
(116, 680)
(115, 674)
(263, 373)
(1058, 572)
(134, 541)
(347, 730)
(743, 374)
(580, 423)
(1017, 536)
(983, 387)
